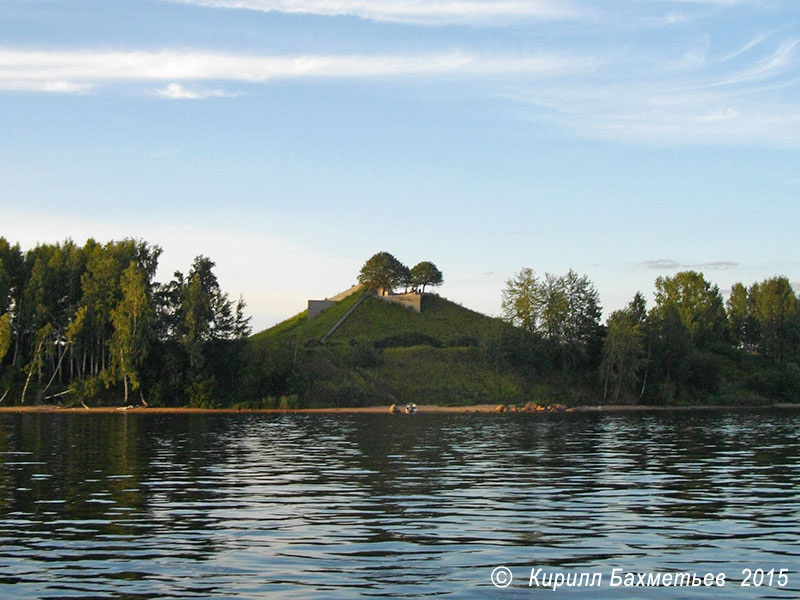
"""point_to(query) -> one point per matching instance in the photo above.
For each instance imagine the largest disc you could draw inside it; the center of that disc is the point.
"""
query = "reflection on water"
(337, 506)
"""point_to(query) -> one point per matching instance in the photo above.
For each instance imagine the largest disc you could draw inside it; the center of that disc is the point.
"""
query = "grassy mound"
(374, 320)
(384, 353)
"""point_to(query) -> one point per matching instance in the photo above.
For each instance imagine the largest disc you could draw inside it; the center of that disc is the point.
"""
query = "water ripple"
(340, 506)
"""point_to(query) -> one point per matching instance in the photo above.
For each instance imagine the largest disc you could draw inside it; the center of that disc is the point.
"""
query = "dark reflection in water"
(306, 506)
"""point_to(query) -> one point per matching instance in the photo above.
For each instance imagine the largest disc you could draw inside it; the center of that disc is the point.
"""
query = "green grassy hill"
(374, 320)
(385, 353)
(450, 355)
(299, 327)
(444, 321)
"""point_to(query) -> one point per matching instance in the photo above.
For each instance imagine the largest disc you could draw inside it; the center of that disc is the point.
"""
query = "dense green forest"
(90, 325)
(690, 346)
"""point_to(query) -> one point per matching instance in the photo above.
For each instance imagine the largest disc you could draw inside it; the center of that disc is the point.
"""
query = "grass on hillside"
(385, 353)
(441, 319)
(375, 320)
(299, 328)
(444, 376)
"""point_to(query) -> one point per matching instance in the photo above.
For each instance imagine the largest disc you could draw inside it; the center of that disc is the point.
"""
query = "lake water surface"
(379, 505)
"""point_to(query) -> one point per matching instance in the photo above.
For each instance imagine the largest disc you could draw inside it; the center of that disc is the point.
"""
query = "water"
(379, 505)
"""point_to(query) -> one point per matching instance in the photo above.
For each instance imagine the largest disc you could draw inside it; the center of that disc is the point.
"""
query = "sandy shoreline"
(422, 408)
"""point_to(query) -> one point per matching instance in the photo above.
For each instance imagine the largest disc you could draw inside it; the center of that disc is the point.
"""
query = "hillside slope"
(384, 353)
(375, 320)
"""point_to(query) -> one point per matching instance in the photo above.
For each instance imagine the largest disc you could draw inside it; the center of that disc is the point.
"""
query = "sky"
(289, 140)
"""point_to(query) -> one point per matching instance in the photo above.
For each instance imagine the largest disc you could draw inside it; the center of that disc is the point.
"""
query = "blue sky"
(289, 140)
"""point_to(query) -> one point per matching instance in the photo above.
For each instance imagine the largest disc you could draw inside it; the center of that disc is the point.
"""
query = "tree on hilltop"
(425, 273)
(383, 272)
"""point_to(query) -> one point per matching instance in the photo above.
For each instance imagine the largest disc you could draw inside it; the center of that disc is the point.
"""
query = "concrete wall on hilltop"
(346, 293)
(317, 306)
(411, 300)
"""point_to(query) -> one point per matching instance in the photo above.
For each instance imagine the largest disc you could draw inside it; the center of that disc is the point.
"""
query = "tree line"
(88, 322)
(690, 345)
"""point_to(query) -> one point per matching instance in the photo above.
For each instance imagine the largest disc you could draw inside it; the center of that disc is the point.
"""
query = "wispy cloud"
(662, 264)
(714, 2)
(666, 101)
(717, 265)
(175, 91)
(767, 67)
(81, 71)
(745, 93)
(58, 86)
(418, 12)
(666, 264)
(756, 41)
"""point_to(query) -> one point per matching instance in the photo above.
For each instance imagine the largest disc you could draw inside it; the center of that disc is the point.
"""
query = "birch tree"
(131, 319)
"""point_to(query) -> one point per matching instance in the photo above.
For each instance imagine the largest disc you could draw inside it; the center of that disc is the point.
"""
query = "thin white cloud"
(756, 41)
(723, 265)
(638, 112)
(745, 98)
(176, 91)
(781, 59)
(660, 264)
(80, 71)
(417, 12)
(715, 2)
(666, 264)
(656, 100)
(45, 86)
